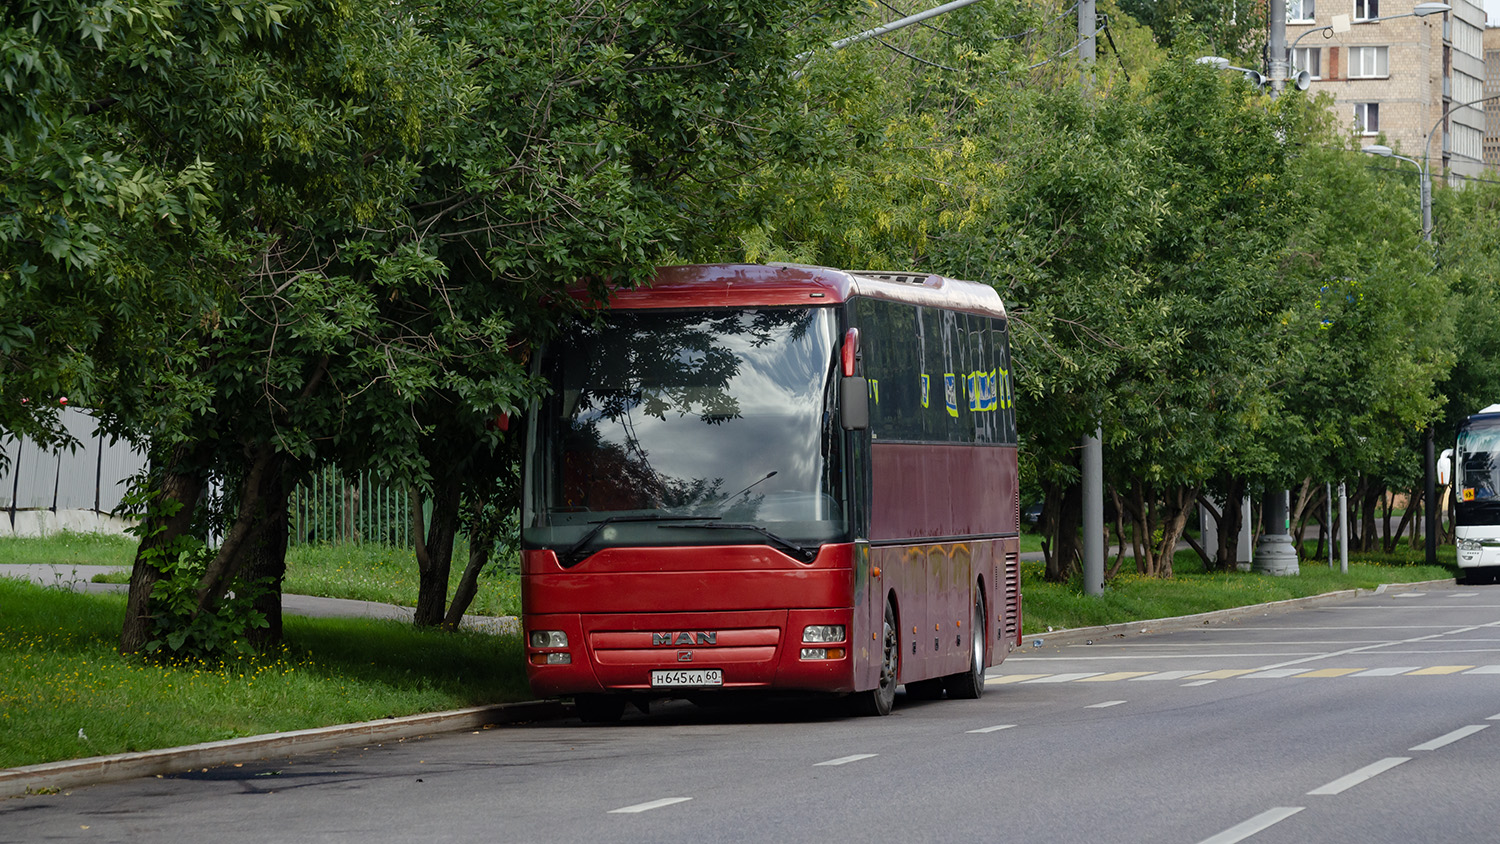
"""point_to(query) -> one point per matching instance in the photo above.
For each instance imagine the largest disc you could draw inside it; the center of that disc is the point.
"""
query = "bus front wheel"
(879, 700)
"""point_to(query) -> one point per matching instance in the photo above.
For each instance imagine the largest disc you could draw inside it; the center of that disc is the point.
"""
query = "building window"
(1368, 62)
(1366, 9)
(1367, 118)
(1307, 58)
(1299, 11)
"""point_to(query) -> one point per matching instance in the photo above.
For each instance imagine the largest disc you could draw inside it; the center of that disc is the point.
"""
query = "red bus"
(773, 478)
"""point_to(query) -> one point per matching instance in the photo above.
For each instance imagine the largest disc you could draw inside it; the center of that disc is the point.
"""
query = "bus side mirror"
(854, 403)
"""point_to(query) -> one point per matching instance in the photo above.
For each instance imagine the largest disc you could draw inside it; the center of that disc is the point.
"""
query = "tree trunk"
(265, 558)
(263, 475)
(468, 582)
(1369, 495)
(180, 484)
(434, 548)
(1411, 518)
(1114, 567)
(1230, 522)
(1069, 519)
(1178, 506)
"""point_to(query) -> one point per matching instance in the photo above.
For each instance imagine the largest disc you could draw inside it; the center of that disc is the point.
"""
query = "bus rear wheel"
(969, 685)
(879, 700)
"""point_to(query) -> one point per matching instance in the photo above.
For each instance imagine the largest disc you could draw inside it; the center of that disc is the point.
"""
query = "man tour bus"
(780, 479)
(1476, 483)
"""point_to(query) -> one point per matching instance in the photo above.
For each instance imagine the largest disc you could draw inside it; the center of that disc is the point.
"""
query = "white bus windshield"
(1477, 471)
(688, 427)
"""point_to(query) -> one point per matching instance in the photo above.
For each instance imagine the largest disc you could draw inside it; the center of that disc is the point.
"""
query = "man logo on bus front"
(684, 638)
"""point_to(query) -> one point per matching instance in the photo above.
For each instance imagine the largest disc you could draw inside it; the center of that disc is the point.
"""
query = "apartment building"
(1492, 89)
(1401, 76)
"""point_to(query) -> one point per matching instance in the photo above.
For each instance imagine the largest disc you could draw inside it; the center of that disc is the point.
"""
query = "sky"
(1492, 12)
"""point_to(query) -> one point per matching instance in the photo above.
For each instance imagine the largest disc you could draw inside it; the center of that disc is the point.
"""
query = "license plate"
(696, 677)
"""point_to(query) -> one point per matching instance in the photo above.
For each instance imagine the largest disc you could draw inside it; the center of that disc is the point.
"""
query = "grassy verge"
(65, 692)
(360, 572)
(1133, 597)
(68, 549)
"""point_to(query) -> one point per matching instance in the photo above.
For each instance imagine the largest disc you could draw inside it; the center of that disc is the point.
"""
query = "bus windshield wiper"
(804, 553)
(576, 553)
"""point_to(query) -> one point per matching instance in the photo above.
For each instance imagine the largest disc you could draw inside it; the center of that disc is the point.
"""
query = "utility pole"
(1275, 554)
(1092, 445)
(1093, 514)
(1088, 25)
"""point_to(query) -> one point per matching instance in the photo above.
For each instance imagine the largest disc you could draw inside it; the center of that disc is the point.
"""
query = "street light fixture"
(1221, 63)
(1426, 185)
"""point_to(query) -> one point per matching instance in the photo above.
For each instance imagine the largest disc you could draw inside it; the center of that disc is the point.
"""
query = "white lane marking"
(1485, 669)
(844, 760)
(1199, 683)
(1066, 678)
(646, 807)
(995, 729)
(1463, 594)
(1274, 673)
(1104, 705)
(1410, 595)
(1262, 821)
(1167, 675)
(1349, 781)
(1441, 741)
(1390, 671)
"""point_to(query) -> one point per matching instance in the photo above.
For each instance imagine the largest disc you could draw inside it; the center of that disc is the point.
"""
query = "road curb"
(1078, 635)
(45, 778)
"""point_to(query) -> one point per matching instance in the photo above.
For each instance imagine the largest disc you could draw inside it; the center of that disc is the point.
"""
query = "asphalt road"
(1366, 720)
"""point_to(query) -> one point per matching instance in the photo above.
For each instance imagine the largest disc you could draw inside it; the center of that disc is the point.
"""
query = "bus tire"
(879, 700)
(599, 709)
(969, 685)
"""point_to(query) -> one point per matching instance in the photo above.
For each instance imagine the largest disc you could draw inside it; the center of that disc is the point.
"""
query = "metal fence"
(42, 490)
(334, 507)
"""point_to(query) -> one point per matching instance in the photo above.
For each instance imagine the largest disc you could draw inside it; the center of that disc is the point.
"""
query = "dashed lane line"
(995, 729)
(1449, 738)
(1114, 675)
(1259, 823)
(646, 807)
(1348, 781)
(1104, 704)
(844, 760)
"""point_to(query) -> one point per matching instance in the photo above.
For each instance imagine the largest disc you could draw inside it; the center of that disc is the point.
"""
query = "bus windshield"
(1477, 471)
(672, 427)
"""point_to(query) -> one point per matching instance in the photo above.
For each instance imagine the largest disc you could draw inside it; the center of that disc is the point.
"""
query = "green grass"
(59, 674)
(68, 549)
(359, 572)
(389, 575)
(1133, 597)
